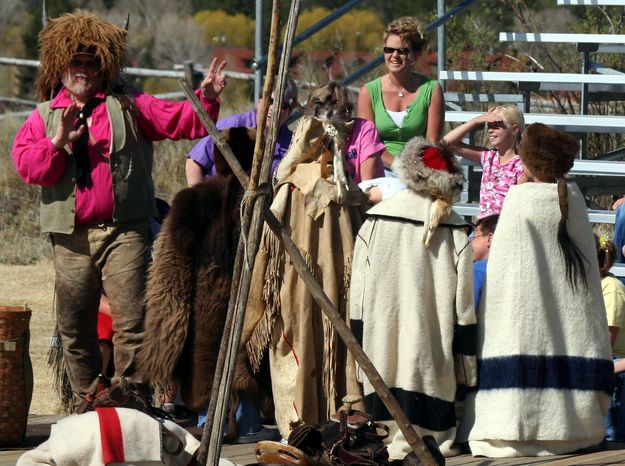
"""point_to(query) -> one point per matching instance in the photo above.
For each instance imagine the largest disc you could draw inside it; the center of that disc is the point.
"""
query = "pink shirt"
(38, 161)
(496, 181)
(364, 142)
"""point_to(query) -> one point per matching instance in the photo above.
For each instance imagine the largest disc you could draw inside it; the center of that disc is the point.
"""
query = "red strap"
(111, 436)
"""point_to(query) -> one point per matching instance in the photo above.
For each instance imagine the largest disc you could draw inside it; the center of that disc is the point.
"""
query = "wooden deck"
(39, 430)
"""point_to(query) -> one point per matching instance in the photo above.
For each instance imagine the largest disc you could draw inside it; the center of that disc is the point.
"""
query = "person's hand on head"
(65, 132)
(214, 81)
(492, 116)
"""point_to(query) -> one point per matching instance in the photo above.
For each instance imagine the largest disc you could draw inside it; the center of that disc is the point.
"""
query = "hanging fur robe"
(546, 369)
(411, 298)
(307, 360)
(189, 283)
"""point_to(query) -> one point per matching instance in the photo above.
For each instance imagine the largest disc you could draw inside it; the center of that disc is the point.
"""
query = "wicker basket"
(16, 374)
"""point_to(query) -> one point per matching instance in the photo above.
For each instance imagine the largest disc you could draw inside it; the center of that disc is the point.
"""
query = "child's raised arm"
(455, 136)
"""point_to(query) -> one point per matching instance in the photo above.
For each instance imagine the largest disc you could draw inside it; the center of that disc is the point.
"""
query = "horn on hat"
(44, 14)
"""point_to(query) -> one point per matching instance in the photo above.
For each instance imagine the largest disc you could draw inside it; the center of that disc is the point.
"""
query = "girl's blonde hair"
(411, 31)
(513, 116)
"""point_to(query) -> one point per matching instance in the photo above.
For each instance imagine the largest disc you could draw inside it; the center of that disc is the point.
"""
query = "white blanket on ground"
(543, 348)
(75, 441)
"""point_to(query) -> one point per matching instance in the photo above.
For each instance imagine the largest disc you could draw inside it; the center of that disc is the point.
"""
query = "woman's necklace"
(400, 92)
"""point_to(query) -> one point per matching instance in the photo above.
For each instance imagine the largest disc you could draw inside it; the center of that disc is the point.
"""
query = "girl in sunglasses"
(403, 104)
(501, 165)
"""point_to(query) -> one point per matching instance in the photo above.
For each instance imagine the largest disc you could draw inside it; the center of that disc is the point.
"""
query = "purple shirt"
(202, 152)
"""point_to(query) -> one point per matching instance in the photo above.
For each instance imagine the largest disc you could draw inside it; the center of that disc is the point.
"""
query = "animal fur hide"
(189, 287)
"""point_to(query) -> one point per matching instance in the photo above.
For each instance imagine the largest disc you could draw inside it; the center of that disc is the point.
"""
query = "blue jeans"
(248, 418)
(615, 420)
(619, 232)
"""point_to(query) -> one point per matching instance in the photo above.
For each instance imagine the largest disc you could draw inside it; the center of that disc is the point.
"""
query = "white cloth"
(397, 117)
(411, 305)
(75, 441)
(389, 186)
(545, 360)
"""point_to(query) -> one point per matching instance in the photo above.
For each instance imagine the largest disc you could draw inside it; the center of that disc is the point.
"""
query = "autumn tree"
(355, 30)
(222, 28)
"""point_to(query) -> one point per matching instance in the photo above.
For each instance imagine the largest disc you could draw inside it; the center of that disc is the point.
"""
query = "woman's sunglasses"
(401, 51)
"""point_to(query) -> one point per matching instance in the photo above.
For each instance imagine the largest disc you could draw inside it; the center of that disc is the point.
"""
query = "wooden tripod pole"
(210, 446)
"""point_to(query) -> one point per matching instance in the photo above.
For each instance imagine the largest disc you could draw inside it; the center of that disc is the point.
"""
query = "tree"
(222, 28)
(355, 30)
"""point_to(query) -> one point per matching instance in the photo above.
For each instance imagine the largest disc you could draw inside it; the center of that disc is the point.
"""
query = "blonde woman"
(403, 104)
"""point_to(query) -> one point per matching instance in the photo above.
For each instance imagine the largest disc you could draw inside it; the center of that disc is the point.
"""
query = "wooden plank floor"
(39, 430)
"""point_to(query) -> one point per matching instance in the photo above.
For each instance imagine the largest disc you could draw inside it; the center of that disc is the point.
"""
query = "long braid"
(573, 256)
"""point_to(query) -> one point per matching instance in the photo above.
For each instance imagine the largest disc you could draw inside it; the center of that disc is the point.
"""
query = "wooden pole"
(256, 222)
(210, 446)
(214, 133)
(299, 263)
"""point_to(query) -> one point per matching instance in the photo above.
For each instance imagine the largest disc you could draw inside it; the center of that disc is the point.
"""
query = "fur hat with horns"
(79, 32)
(431, 169)
(548, 153)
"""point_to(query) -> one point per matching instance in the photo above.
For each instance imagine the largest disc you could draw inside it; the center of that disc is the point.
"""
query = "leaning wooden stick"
(344, 332)
(214, 133)
(299, 263)
(248, 244)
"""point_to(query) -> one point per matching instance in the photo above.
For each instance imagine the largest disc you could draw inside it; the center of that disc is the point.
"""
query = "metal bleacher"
(595, 82)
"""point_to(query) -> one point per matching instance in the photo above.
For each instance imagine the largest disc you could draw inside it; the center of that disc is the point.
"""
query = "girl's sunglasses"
(401, 51)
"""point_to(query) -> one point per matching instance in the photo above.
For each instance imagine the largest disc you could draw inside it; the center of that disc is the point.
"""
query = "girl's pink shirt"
(38, 161)
(364, 142)
(496, 181)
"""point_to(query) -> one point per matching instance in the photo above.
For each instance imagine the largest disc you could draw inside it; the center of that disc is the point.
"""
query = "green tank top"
(415, 122)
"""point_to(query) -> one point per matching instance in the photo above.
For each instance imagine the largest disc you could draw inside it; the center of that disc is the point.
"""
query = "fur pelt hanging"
(189, 285)
(79, 32)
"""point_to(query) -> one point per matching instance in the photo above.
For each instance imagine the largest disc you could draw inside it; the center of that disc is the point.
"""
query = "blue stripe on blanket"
(560, 372)
(422, 410)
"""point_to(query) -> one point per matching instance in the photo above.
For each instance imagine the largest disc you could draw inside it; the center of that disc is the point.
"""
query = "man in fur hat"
(411, 297)
(89, 146)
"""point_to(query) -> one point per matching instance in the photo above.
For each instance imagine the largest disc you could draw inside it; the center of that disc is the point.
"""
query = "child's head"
(482, 236)
(509, 134)
(547, 154)
(606, 254)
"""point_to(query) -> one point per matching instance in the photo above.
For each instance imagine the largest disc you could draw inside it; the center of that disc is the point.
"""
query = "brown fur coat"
(189, 287)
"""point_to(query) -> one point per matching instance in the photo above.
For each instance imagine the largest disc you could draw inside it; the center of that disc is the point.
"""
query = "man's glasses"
(401, 51)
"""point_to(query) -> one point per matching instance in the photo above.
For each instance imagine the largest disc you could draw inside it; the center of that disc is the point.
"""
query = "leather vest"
(130, 161)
